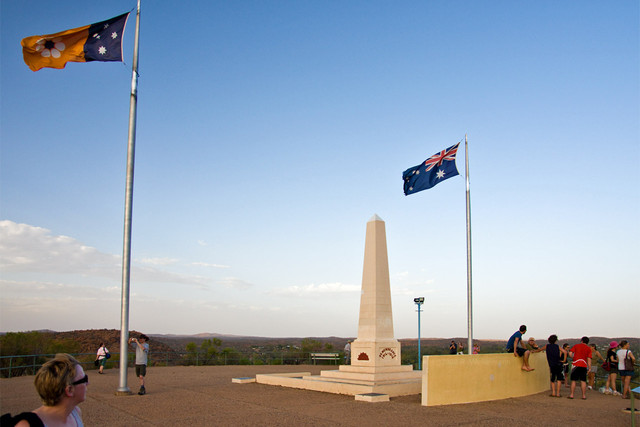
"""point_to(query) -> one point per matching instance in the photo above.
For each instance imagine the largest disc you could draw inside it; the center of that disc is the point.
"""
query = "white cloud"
(28, 249)
(313, 290)
(13, 289)
(158, 261)
(25, 248)
(234, 282)
(205, 264)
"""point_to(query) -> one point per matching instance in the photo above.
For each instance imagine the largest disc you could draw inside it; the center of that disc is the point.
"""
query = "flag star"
(102, 50)
(114, 35)
(96, 36)
(106, 26)
(417, 172)
(440, 173)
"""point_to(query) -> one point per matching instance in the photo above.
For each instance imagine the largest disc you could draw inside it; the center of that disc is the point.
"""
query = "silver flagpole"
(469, 292)
(128, 205)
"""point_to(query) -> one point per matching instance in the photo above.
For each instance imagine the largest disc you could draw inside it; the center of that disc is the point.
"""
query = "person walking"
(102, 356)
(626, 362)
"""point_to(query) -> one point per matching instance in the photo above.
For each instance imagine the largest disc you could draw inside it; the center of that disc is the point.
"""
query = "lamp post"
(419, 301)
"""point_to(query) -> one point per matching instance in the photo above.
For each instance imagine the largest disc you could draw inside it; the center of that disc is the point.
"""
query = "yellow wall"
(452, 379)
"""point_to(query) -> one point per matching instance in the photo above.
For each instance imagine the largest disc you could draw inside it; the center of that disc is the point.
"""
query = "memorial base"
(353, 380)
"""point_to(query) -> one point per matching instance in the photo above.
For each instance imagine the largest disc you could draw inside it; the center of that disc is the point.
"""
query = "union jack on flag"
(432, 171)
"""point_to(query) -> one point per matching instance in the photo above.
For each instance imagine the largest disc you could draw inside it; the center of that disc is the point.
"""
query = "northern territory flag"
(101, 41)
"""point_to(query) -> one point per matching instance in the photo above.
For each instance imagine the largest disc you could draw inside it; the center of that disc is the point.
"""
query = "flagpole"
(128, 205)
(469, 291)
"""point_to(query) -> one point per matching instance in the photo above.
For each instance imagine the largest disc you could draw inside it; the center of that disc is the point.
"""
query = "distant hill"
(90, 339)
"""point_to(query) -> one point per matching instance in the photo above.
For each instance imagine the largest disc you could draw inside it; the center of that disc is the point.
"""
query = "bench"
(325, 356)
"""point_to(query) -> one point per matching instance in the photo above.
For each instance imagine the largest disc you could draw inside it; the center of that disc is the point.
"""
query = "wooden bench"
(325, 356)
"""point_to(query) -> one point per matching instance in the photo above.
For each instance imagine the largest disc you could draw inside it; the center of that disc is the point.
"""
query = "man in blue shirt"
(515, 346)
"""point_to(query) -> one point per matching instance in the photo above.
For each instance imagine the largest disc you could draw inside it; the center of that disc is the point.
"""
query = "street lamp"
(419, 301)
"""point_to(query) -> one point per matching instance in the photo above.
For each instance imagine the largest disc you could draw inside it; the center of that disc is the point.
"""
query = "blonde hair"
(53, 378)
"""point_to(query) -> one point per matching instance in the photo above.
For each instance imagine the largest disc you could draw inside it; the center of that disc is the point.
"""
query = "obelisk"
(375, 372)
(375, 345)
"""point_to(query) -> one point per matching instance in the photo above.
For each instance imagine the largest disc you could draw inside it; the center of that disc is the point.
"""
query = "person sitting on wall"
(531, 345)
(515, 346)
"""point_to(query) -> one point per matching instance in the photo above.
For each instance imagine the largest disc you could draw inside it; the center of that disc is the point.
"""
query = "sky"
(269, 133)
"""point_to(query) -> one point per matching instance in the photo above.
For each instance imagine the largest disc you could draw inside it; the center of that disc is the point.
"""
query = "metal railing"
(28, 364)
(12, 366)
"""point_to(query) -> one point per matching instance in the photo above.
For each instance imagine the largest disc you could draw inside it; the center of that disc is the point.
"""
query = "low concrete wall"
(453, 379)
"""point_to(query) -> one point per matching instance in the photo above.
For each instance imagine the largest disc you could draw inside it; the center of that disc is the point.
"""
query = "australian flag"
(432, 171)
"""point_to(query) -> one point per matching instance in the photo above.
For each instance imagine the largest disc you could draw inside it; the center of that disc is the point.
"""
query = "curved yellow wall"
(452, 379)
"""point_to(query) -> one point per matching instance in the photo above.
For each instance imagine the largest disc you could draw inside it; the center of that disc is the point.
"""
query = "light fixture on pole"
(419, 301)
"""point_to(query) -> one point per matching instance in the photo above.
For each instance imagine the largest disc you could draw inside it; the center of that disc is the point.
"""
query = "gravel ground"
(205, 396)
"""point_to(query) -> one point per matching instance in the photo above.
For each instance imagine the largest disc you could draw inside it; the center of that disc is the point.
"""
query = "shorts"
(521, 351)
(566, 368)
(557, 373)
(102, 361)
(141, 370)
(626, 373)
(579, 373)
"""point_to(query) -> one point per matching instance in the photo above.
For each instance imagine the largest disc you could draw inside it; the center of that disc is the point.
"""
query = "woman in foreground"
(62, 385)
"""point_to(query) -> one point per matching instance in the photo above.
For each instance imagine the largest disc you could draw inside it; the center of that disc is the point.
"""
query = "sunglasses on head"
(82, 380)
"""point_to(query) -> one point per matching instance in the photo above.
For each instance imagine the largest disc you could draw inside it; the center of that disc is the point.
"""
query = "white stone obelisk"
(375, 370)
(375, 345)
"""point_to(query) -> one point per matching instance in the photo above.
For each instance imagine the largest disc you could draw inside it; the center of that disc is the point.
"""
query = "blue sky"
(269, 133)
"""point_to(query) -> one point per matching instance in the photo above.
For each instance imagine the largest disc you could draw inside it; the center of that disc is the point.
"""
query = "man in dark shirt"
(554, 360)
(515, 346)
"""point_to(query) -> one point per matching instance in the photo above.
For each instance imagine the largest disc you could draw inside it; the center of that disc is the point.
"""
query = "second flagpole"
(469, 287)
(128, 209)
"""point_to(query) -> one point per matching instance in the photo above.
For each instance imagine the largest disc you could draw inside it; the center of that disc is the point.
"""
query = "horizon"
(268, 133)
(215, 334)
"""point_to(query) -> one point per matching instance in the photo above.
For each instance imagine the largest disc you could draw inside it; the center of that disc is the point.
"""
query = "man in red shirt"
(581, 354)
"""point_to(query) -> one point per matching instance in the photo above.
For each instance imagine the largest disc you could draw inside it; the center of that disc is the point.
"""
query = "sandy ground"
(206, 396)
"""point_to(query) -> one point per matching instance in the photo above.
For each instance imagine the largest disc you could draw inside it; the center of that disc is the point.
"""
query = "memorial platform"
(206, 396)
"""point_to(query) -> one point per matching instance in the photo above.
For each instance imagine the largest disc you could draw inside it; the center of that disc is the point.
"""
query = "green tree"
(209, 350)
(206, 354)
(63, 346)
(310, 345)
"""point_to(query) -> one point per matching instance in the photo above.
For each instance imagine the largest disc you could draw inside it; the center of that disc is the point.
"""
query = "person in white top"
(101, 356)
(626, 360)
